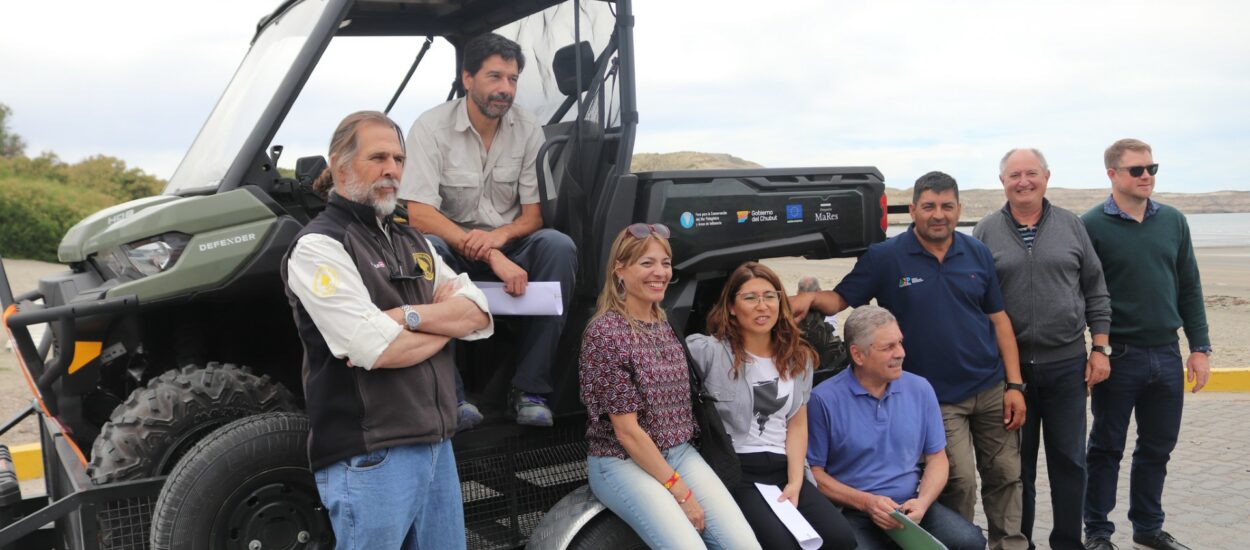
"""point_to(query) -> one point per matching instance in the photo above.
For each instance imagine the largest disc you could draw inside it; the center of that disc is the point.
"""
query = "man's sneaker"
(1099, 543)
(469, 416)
(1159, 541)
(531, 409)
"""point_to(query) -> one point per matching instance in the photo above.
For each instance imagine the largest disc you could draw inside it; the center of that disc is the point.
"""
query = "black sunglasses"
(644, 230)
(1136, 171)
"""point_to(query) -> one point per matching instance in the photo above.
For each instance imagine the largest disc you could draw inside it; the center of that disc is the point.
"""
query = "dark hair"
(482, 46)
(792, 354)
(938, 182)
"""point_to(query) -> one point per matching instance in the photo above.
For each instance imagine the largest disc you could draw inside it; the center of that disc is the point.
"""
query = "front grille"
(124, 523)
(508, 487)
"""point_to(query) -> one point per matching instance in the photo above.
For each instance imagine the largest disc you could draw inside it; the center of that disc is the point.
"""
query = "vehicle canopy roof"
(425, 17)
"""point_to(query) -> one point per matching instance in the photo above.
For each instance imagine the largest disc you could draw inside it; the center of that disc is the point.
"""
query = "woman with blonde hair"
(756, 364)
(636, 387)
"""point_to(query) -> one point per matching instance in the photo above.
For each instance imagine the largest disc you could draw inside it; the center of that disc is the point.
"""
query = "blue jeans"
(400, 497)
(943, 523)
(545, 255)
(653, 513)
(1055, 400)
(1148, 382)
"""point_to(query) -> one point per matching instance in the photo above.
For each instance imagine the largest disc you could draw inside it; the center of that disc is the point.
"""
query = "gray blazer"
(734, 398)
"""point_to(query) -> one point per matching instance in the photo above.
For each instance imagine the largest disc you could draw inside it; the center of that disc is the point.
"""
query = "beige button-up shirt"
(449, 168)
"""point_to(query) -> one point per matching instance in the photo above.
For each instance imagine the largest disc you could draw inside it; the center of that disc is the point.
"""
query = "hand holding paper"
(540, 298)
(912, 536)
(803, 531)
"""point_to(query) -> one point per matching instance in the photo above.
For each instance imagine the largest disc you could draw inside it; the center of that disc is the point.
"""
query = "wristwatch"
(1201, 349)
(412, 319)
(1105, 350)
(1014, 386)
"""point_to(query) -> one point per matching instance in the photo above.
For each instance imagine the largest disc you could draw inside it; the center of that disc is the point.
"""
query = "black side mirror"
(564, 65)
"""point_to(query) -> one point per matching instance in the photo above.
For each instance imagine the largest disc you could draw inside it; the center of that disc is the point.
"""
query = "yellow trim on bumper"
(1231, 380)
(27, 461)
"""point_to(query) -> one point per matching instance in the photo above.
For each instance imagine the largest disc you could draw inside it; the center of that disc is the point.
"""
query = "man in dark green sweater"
(1148, 261)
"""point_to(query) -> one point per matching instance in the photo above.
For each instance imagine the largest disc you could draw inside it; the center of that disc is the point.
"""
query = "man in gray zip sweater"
(1053, 287)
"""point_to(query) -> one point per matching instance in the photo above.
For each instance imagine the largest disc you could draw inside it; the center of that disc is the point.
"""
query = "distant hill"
(687, 160)
(977, 202)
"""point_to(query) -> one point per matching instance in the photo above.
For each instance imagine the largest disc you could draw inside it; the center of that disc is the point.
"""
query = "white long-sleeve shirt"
(324, 278)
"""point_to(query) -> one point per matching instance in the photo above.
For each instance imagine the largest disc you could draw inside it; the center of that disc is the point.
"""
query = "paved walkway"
(1207, 497)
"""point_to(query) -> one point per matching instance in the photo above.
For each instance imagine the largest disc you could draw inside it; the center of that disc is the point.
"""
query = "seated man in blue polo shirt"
(868, 428)
(942, 286)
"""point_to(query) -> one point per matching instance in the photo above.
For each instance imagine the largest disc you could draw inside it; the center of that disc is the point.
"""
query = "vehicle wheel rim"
(279, 509)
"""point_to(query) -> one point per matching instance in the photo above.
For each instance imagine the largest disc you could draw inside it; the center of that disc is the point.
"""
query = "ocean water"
(1219, 230)
(1207, 230)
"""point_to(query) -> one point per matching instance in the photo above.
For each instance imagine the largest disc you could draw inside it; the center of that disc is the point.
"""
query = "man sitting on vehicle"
(869, 426)
(471, 185)
(380, 398)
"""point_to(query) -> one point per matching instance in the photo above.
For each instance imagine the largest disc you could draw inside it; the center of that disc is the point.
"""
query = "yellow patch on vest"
(425, 263)
(325, 281)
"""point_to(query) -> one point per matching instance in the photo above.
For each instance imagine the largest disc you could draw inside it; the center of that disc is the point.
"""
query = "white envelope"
(790, 517)
(540, 298)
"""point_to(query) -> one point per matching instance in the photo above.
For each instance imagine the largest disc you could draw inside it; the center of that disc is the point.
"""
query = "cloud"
(907, 87)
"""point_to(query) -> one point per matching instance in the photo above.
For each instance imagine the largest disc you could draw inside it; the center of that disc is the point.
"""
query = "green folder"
(912, 536)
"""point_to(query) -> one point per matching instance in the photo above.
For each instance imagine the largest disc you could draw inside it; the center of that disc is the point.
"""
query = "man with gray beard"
(375, 309)
(472, 186)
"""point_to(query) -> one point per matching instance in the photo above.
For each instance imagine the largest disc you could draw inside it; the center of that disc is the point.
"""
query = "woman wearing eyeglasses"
(756, 365)
(636, 387)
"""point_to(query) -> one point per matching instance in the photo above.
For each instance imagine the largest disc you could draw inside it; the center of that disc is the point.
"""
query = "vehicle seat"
(573, 148)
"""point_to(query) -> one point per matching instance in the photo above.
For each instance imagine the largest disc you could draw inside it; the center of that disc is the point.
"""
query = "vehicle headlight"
(147, 256)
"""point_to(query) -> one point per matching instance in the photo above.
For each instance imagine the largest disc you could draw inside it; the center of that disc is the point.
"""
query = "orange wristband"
(672, 480)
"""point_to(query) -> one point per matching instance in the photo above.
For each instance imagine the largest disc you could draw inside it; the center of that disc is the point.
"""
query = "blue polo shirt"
(942, 309)
(874, 445)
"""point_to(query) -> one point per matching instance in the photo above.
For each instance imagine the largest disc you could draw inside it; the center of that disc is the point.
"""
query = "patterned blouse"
(641, 371)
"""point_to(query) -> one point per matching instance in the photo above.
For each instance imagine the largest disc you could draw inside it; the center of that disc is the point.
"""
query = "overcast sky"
(904, 86)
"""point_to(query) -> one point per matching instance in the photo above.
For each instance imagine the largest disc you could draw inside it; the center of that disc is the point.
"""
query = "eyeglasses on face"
(644, 230)
(768, 297)
(1136, 171)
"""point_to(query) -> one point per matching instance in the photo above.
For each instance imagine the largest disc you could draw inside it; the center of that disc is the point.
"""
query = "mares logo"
(228, 241)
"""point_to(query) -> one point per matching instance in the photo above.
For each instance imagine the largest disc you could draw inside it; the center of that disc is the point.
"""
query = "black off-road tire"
(607, 530)
(248, 482)
(146, 435)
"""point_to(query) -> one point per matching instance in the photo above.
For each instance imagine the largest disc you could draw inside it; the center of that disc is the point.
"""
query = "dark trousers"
(944, 524)
(1055, 400)
(1148, 382)
(545, 255)
(770, 468)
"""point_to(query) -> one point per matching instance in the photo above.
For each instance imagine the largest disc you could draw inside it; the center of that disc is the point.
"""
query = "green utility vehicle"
(168, 388)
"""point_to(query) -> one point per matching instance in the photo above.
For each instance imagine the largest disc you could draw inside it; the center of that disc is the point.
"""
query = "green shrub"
(36, 213)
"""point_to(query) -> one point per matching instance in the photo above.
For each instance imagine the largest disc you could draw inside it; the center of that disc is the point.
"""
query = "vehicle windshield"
(251, 89)
(540, 35)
